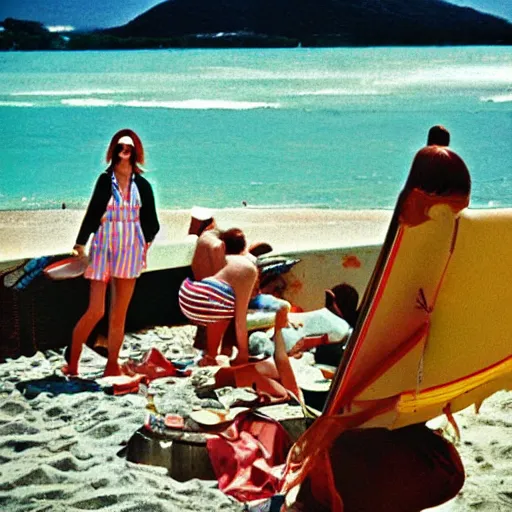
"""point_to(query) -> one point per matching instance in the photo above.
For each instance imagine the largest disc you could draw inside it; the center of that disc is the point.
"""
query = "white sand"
(58, 453)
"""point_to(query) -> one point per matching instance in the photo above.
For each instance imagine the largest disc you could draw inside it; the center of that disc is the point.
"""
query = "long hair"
(114, 148)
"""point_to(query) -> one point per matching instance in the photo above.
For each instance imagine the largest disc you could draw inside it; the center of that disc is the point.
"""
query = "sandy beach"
(58, 450)
(36, 233)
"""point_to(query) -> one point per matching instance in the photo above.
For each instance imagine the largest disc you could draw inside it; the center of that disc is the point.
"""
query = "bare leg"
(122, 291)
(229, 339)
(214, 334)
(86, 324)
(283, 365)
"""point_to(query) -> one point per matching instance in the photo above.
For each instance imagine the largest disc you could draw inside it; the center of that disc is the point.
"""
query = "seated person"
(342, 300)
(214, 301)
(274, 377)
(327, 328)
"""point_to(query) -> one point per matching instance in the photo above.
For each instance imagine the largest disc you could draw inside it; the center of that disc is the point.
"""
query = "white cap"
(200, 213)
(126, 139)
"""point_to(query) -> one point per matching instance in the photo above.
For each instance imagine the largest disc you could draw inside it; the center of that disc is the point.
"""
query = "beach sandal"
(207, 361)
(182, 364)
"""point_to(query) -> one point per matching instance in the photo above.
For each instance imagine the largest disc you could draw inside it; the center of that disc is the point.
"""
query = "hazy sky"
(109, 13)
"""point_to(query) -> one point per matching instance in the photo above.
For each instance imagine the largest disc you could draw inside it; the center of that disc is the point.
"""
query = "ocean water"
(328, 128)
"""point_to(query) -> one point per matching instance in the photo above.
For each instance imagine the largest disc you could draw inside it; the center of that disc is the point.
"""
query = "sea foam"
(200, 104)
(338, 92)
(499, 98)
(193, 104)
(16, 104)
(88, 102)
(79, 92)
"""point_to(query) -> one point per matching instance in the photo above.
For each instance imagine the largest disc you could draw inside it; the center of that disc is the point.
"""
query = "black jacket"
(98, 205)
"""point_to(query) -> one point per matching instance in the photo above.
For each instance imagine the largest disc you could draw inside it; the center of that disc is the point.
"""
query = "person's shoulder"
(210, 239)
(242, 262)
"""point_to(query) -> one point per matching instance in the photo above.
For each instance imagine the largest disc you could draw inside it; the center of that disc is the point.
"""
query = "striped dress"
(207, 301)
(118, 248)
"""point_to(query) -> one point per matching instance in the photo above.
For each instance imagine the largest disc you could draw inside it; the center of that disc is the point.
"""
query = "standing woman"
(122, 216)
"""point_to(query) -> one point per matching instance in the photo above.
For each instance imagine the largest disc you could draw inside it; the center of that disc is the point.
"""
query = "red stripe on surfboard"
(338, 401)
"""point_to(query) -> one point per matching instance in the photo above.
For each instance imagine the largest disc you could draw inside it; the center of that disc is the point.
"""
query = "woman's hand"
(78, 250)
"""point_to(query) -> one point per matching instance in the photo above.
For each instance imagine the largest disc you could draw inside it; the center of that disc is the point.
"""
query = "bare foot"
(226, 351)
(207, 361)
(112, 370)
(68, 371)
(281, 319)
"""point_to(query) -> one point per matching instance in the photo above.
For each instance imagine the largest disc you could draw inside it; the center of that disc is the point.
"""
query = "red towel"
(154, 365)
(248, 458)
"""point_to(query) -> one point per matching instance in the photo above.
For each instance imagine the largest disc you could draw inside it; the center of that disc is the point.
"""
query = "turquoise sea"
(329, 128)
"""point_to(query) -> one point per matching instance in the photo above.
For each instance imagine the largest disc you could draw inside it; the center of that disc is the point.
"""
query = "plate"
(67, 268)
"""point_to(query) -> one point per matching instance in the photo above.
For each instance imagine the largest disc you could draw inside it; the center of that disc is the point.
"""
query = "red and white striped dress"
(118, 248)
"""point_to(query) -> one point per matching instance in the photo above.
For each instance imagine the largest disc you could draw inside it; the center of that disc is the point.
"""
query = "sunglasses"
(125, 147)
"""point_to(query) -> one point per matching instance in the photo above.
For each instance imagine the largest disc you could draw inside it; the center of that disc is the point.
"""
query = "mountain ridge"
(313, 22)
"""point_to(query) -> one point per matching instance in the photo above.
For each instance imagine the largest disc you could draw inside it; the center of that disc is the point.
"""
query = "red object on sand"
(124, 384)
(154, 366)
(247, 457)
(174, 421)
